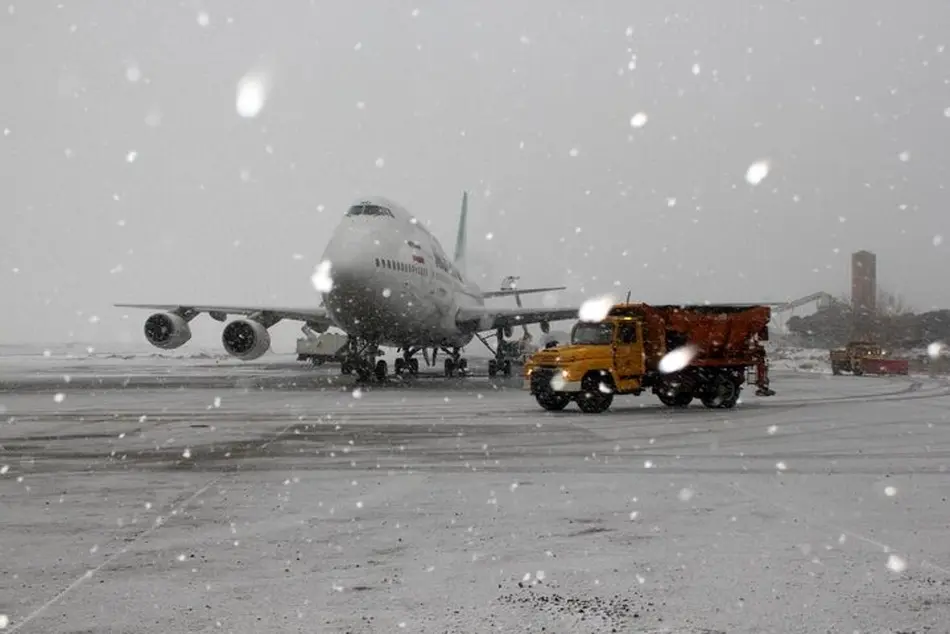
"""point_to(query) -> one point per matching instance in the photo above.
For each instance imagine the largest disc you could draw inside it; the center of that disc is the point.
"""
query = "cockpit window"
(369, 210)
(592, 334)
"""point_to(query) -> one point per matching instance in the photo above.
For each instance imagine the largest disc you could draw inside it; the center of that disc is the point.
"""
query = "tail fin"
(460, 239)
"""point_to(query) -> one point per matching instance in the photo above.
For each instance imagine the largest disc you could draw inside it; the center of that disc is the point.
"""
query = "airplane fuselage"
(392, 281)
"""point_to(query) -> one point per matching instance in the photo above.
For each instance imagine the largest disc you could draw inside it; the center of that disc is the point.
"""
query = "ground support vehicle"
(865, 357)
(678, 352)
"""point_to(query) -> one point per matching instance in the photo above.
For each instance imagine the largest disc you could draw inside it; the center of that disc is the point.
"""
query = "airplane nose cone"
(351, 257)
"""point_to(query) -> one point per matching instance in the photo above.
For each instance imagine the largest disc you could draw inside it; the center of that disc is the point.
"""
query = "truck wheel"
(723, 395)
(552, 401)
(592, 399)
(835, 369)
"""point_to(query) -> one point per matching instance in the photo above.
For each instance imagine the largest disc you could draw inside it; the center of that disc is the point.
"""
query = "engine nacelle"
(245, 339)
(167, 331)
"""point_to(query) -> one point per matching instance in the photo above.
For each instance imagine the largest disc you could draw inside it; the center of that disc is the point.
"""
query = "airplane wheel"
(463, 366)
(399, 366)
(381, 370)
(492, 368)
(414, 367)
(449, 367)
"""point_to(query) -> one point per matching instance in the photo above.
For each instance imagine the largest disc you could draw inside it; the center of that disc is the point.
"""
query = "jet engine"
(245, 339)
(167, 331)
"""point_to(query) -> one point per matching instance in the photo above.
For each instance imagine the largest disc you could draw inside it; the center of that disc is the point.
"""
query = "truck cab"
(602, 358)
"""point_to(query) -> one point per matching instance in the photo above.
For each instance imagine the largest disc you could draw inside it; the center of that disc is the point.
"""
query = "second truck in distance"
(679, 352)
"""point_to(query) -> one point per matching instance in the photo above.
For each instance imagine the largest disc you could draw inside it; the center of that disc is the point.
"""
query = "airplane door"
(629, 360)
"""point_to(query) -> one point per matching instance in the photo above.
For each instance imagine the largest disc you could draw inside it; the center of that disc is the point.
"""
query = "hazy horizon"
(604, 148)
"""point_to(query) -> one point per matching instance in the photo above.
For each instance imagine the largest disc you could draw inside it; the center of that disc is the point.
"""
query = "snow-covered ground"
(276, 499)
(796, 359)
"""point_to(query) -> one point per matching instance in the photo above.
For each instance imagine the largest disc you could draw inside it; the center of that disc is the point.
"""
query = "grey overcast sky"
(848, 100)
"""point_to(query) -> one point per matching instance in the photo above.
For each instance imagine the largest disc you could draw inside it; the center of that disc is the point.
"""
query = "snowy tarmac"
(203, 496)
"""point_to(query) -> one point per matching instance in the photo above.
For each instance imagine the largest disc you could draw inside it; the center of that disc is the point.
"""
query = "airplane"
(385, 280)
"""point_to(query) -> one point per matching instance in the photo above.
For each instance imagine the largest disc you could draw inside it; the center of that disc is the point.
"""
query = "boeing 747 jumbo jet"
(385, 280)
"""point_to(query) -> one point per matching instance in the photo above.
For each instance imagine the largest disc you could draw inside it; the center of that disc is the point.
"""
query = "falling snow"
(896, 564)
(203, 18)
(321, 279)
(676, 360)
(757, 172)
(595, 309)
(638, 120)
(251, 95)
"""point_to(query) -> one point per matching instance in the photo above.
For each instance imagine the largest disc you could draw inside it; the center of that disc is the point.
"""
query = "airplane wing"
(520, 291)
(220, 313)
(479, 319)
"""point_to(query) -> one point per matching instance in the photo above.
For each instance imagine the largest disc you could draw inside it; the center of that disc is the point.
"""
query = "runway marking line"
(108, 560)
(159, 522)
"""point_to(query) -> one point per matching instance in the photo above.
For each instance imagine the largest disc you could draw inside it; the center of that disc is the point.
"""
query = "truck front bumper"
(543, 380)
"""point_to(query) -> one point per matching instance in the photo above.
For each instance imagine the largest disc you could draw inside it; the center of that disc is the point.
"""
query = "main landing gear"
(361, 357)
(407, 363)
(502, 359)
(455, 363)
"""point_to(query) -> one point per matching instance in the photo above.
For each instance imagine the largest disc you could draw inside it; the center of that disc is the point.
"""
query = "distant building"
(863, 290)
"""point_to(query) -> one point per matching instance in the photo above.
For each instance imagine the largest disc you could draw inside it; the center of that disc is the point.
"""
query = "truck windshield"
(587, 334)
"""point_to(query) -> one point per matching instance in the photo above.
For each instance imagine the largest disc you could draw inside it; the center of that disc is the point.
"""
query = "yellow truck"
(680, 352)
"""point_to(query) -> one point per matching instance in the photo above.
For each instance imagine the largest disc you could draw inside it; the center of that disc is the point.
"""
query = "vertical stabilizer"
(460, 239)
